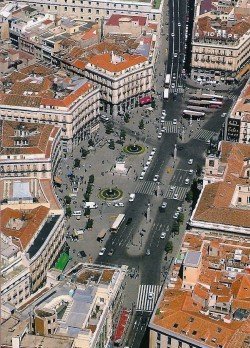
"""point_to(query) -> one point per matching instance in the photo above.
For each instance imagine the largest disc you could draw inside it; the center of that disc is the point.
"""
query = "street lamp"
(175, 152)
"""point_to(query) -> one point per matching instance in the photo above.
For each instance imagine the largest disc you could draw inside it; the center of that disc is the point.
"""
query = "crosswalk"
(180, 191)
(170, 127)
(147, 297)
(204, 135)
(232, 95)
(146, 187)
(178, 90)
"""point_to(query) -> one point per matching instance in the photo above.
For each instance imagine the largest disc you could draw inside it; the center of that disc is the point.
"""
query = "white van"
(90, 205)
(77, 213)
(131, 197)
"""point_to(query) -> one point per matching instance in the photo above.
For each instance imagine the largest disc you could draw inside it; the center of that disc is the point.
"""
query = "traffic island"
(110, 194)
(134, 149)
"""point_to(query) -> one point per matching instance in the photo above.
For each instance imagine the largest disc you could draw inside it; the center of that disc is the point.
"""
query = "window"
(169, 340)
(180, 345)
(89, 10)
(211, 163)
(248, 200)
(239, 200)
(158, 336)
(158, 345)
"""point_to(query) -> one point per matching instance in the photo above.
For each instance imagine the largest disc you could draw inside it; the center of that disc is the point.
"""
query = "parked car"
(102, 251)
(190, 161)
(111, 252)
(156, 178)
(176, 196)
(187, 181)
(163, 235)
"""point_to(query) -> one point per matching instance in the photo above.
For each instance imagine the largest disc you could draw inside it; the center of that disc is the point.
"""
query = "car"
(174, 121)
(172, 188)
(81, 253)
(175, 55)
(179, 24)
(129, 221)
(179, 209)
(150, 296)
(162, 118)
(141, 177)
(163, 113)
(75, 189)
(224, 114)
(172, 85)
(187, 181)
(208, 142)
(172, 34)
(148, 162)
(121, 204)
(163, 206)
(145, 168)
(159, 135)
(163, 235)
(174, 76)
(191, 172)
(176, 214)
(147, 252)
(156, 178)
(102, 251)
(176, 196)
(111, 252)
(131, 197)
(150, 157)
(190, 161)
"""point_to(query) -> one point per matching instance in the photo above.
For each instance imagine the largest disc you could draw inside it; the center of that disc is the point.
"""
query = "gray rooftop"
(192, 258)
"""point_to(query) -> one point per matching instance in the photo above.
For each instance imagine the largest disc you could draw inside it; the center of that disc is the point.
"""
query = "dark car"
(129, 221)
(111, 252)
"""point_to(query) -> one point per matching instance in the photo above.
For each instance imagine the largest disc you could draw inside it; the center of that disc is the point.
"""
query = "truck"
(90, 205)
(166, 93)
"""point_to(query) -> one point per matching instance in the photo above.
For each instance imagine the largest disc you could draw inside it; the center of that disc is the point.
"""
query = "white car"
(179, 209)
(176, 196)
(163, 235)
(150, 157)
(174, 121)
(162, 118)
(102, 251)
(145, 168)
(150, 296)
(176, 214)
(163, 113)
(179, 24)
(191, 171)
(159, 135)
(119, 204)
(172, 188)
(148, 162)
(156, 178)
(190, 161)
(141, 177)
(187, 181)
(175, 55)
(173, 85)
(172, 34)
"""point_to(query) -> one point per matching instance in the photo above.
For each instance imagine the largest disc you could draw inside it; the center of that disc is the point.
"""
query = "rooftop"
(26, 138)
(219, 202)
(216, 311)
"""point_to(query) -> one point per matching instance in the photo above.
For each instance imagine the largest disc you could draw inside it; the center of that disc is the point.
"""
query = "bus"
(193, 113)
(215, 104)
(167, 80)
(197, 108)
(166, 93)
(212, 96)
(117, 223)
(204, 103)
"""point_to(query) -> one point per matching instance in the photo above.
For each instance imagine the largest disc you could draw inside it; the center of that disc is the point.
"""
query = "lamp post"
(175, 152)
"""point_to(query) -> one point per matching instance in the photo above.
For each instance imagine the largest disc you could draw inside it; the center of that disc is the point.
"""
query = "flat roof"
(192, 258)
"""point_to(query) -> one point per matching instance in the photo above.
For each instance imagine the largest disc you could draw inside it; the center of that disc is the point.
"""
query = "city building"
(11, 59)
(95, 10)
(221, 41)
(205, 301)
(224, 202)
(40, 94)
(82, 308)
(29, 149)
(237, 127)
(32, 236)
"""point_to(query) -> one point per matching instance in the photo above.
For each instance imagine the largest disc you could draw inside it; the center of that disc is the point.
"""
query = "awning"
(145, 100)
(121, 327)
(58, 180)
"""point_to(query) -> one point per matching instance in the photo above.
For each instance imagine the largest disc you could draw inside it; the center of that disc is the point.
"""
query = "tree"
(189, 196)
(112, 144)
(68, 212)
(175, 227)
(126, 118)
(153, 104)
(109, 128)
(77, 163)
(180, 218)
(122, 134)
(141, 124)
(91, 179)
(84, 152)
(89, 223)
(67, 199)
(87, 211)
(89, 189)
(198, 170)
(86, 196)
(91, 143)
(169, 247)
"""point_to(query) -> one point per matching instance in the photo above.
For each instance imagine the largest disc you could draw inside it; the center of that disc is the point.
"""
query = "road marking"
(180, 190)
(146, 187)
(143, 301)
(204, 135)
(170, 127)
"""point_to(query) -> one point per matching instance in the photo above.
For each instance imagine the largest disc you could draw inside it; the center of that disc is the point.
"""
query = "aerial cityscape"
(125, 173)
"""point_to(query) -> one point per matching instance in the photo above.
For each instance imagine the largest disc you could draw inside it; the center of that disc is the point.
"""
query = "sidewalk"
(221, 87)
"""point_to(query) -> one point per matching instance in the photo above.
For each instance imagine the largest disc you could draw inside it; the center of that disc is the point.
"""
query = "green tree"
(169, 247)
(89, 223)
(84, 152)
(91, 143)
(68, 212)
(198, 170)
(126, 118)
(91, 179)
(109, 128)
(153, 104)
(87, 211)
(122, 134)
(112, 144)
(141, 124)
(175, 227)
(89, 189)
(86, 196)
(77, 163)
(180, 218)
(67, 199)
(189, 196)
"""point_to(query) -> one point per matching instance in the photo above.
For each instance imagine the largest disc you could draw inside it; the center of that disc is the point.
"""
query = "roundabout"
(134, 149)
(110, 194)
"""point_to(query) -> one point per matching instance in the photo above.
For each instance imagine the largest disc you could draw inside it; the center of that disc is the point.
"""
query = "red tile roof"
(116, 18)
